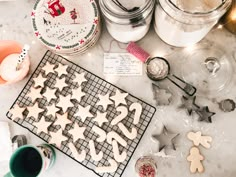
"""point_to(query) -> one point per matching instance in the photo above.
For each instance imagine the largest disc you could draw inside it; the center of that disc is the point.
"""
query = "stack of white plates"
(67, 27)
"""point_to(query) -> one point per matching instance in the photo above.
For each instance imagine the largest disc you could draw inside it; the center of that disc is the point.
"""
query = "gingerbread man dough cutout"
(198, 139)
(195, 158)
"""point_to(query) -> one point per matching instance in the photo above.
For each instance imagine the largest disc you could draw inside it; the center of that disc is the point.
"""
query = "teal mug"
(31, 161)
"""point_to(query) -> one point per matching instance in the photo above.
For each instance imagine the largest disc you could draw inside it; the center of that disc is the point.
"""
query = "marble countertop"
(220, 160)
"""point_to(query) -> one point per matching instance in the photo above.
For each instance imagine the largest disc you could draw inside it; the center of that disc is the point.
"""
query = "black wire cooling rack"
(94, 86)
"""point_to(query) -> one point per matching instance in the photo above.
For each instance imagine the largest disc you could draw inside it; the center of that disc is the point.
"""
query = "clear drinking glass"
(182, 23)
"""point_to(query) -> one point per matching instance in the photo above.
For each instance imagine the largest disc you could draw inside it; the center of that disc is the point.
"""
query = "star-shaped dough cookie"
(119, 98)
(104, 101)
(48, 68)
(77, 132)
(100, 118)
(64, 102)
(60, 84)
(61, 69)
(42, 125)
(77, 94)
(39, 81)
(62, 120)
(50, 94)
(83, 113)
(17, 112)
(52, 110)
(57, 138)
(80, 78)
(34, 94)
(34, 110)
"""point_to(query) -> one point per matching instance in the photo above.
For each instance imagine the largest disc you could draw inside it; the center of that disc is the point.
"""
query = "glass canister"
(127, 20)
(182, 23)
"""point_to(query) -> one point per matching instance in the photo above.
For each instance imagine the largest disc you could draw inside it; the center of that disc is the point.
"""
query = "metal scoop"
(186, 87)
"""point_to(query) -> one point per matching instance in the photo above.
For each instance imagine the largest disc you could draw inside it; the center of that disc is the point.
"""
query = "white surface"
(5, 147)
(220, 159)
(5, 142)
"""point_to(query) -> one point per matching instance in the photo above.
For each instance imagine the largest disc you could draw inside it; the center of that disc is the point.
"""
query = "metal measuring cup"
(142, 55)
(186, 87)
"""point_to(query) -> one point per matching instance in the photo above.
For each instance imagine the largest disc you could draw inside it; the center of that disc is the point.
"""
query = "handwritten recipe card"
(122, 64)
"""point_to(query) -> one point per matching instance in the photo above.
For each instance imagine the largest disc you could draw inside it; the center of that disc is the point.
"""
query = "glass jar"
(182, 23)
(146, 167)
(127, 20)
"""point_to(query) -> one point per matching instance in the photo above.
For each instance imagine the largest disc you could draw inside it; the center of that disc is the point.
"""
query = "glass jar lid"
(197, 6)
(123, 7)
(209, 69)
(195, 11)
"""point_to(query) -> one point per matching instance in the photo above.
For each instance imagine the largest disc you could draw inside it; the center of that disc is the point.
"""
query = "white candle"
(8, 70)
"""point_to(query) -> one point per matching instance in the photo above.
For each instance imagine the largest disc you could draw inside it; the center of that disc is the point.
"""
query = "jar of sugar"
(127, 20)
(182, 23)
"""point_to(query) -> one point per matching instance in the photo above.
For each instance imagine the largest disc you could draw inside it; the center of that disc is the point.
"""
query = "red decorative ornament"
(37, 33)
(73, 15)
(58, 47)
(32, 14)
(81, 41)
(55, 8)
(95, 21)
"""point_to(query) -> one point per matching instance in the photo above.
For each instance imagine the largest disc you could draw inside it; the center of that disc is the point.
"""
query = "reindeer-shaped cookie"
(198, 139)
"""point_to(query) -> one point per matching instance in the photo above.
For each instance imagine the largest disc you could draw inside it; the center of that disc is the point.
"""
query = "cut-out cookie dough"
(118, 157)
(61, 69)
(48, 68)
(131, 135)
(80, 78)
(64, 102)
(42, 125)
(104, 101)
(50, 94)
(198, 139)
(78, 94)
(17, 112)
(109, 169)
(77, 132)
(195, 159)
(94, 155)
(78, 156)
(83, 113)
(62, 120)
(52, 110)
(60, 84)
(57, 138)
(102, 134)
(113, 135)
(138, 111)
(34, 94)
(34, 110)
(39, 81)
(123, 113)
(119, 98)
(101, 118)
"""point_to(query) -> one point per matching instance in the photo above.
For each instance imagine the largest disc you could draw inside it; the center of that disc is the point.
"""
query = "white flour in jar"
(127, 33)
(127, 20)
(181, 34)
